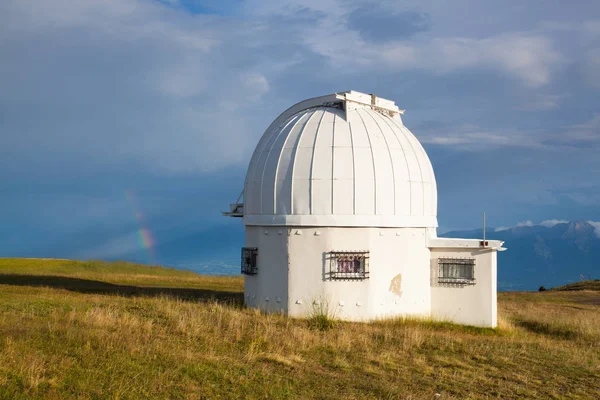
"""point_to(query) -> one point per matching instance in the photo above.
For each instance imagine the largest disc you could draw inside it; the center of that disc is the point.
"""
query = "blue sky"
(166, 100)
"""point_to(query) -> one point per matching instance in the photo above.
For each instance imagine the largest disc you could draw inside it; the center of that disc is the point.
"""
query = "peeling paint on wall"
(396, 285)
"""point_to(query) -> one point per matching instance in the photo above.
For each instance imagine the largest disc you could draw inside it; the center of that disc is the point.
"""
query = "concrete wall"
(268, 289)
(403, 273)
(398, 283)
(466, 304)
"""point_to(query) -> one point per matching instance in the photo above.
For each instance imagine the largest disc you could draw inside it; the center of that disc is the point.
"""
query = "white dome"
(340, 160)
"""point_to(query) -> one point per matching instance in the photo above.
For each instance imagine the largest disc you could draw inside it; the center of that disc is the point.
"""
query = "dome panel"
(321, 201)
(343, 163)
(337, 161)
(343, 194)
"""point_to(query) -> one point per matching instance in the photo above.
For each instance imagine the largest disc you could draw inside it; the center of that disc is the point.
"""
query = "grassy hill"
(583, 285)
(95, 330)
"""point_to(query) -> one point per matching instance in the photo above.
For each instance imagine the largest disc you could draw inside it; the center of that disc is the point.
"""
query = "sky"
(129, 124)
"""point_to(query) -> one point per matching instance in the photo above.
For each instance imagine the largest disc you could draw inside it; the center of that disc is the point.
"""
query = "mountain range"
(552, 254)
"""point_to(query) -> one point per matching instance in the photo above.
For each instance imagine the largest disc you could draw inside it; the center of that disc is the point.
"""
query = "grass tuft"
(322, 316)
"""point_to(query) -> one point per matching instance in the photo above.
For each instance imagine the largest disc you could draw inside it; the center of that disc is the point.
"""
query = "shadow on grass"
(548, 329)
(99, 287)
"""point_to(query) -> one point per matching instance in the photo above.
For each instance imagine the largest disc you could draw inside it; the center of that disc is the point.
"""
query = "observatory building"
(340, 209)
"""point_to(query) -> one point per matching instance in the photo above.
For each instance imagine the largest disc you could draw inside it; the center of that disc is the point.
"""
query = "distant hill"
(583, 285)
(543, 255)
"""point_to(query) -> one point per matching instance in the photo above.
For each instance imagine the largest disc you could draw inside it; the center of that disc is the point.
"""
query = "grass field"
(95, 330)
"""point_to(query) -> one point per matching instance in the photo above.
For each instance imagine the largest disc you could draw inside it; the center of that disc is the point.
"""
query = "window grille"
(352, 265)
(457, 270)
(249, 256)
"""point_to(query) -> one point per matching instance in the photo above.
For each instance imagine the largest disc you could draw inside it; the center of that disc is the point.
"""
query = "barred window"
(457, 270)
(249, 256)
(348, 265)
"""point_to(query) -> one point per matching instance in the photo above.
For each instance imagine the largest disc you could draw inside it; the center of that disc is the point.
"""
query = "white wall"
(267, 290)
(471, 304)
(398, 283)
(402, 276)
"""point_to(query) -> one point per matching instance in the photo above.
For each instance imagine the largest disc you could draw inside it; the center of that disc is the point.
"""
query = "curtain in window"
(349, 264)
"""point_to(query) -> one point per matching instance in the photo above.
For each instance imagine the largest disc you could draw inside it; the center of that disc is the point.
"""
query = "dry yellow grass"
(62, 342)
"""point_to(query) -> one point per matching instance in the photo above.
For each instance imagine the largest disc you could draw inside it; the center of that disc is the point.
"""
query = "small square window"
(249, 256)
(457, 271)
(348, 265)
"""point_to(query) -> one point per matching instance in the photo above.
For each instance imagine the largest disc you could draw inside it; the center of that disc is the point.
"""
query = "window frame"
(337, 257)
(456, 271)
(249, 261)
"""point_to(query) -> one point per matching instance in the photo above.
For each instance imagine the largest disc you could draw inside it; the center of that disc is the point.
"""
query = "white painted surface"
(402, 275)
(470, 304)
(343, 162)
(398, 282)
(271, 281)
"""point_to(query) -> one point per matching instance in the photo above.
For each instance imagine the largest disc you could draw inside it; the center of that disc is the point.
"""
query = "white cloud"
(583, 137)
(469, 137)
(525, 223)
(125, 82)
(549, 223)
(157, 85)
(256, 83)
(591, 67)
(596, 225)
(589, 27)
(587, 132)
(542, 102)
(528, 57)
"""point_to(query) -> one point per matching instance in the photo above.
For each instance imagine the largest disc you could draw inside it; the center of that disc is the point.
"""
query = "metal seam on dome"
(279, 160)
(262, 181)
(252, 167)
(312, 163)
(258, 149)
(332, 159)
(353, 167)
(385, 118)
(408, 136)
(373, 161)
(294, 163)
(431, 178)
(431, 173)
(261, 155)
(274, 135)
(389, 154)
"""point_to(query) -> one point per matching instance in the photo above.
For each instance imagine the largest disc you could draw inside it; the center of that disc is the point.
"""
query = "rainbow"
(144, 235)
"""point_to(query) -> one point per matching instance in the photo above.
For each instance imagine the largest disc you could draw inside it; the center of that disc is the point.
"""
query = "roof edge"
(364, 221)
(459, 243)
